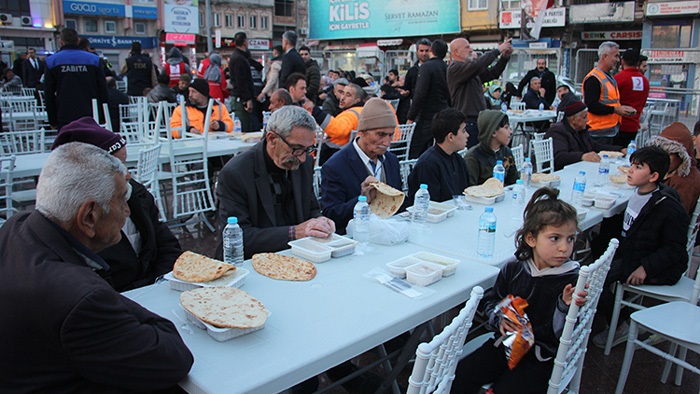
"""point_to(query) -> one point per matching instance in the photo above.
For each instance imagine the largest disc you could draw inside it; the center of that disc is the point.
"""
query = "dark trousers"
(422, 136)
(488, 364)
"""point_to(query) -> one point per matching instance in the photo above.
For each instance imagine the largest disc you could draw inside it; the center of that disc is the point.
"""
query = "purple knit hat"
(88, 131)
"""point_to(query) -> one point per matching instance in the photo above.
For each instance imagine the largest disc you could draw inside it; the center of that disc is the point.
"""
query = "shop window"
(110, 27)
(475, 5)
(253, 22)
(140, 28)
(507, 4)
(228, 18)
(284, 7)
(72, 23)
(14, 6)
(202, 22)
(90, 26)
(241, 21)
(263, 23)
(673, 34)
(217, 20)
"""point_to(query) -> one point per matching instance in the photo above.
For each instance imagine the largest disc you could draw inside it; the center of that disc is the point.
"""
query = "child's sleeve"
(493, 297)
(674, 234)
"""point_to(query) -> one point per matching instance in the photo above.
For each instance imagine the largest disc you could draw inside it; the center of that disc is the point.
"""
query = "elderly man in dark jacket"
(549, 81)
(570, 138)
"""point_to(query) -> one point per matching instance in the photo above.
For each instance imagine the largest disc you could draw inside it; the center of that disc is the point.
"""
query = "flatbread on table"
(491, 188)
(611, 154)
(388, 200)
(193, 267)
(624, 169)
(280, 267)
(619, 178)
(224, 307)
(542, 178)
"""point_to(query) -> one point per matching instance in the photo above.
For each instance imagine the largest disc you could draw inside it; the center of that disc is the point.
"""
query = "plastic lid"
(362, 198)
(232, 220)
(527, 159)
(519, 182)
(488, 209)
(582, 172)
(499, 162)
(423, 186)
(605, 156)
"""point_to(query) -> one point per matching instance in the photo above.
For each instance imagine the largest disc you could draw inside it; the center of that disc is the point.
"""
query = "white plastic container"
(398, 267)
(220, 334)
(310, 250)
(604, 202)
(449, 266)
(485, 200)
(423, 274)
(581, 213)
(340, 246)
(237, 279)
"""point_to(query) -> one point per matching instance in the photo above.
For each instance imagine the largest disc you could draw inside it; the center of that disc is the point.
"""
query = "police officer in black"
(138, 71)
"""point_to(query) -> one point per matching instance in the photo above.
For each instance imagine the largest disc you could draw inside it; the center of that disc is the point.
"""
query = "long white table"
(313, 325)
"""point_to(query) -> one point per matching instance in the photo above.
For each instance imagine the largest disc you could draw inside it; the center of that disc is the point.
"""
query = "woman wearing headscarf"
(493, 96)
(214, 74)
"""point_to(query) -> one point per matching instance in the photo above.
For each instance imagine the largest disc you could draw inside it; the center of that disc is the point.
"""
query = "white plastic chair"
(320, 138)
(405, 168)
(132, 120)
(401, 145)
(105, 111)
(676, 322)
(436, 361)
(22, 142)
(686, 289)
(519, 156)
(394, 103)
(317, 182)
(517, 105)
(21, 110)
(146, 173)
(568, 363)
(544, 154)
(7, 165)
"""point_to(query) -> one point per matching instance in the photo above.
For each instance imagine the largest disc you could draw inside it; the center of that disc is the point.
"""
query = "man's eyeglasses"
(296, 150)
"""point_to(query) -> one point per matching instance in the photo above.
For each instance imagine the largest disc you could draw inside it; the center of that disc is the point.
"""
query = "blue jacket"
(341, 177)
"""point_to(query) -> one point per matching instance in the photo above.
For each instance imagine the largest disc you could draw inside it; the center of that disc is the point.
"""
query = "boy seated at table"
(494, 137)
(652, 248)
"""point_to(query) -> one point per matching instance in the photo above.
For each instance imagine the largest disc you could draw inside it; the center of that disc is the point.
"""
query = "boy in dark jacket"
(494, 136)
(654, 235)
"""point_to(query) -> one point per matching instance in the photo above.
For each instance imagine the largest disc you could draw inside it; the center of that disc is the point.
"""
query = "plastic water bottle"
(499, 172)
(504, 107)
(603, 171)
(266, 118)
(526, 172)
(237, 127)
(631, 148)
(179, 97)
(519, 193)
(541, 107)
(361, 220)
(579, 188)
(421, 204)
(487, 233)
(233, 242)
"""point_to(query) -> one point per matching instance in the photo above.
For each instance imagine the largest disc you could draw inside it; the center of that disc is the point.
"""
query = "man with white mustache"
(269, 188)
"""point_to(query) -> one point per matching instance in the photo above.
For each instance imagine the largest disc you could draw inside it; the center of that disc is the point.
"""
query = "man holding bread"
(64, 328)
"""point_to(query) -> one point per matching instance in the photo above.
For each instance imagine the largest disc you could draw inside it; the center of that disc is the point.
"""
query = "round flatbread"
(624, 169)
(193, 267)
(281, 267)
(619, 178)
(224, 307)
(611, 154)
(388, 200)
(491, 188)
(542, 178)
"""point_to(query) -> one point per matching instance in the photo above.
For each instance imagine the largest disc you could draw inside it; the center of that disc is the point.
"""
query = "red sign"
(179, 38)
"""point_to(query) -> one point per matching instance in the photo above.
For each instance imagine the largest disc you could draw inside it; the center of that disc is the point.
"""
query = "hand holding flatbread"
(193, 267)
(224, 307)
(281, 267)
(387, 202)
(367, 188)
(491, 188)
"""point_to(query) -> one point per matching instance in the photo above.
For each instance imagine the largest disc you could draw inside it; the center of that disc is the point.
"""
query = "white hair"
(533, 79)
(287, 118)
(73, 174)
(605, 47)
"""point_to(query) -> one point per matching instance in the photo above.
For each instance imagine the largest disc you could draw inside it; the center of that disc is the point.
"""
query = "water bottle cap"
(527, 159)
(582, 172)
(423, 186)
(232, 220)
(499, 162)
(519, 182)
(488, 209)
(362, 198)
(605, 156)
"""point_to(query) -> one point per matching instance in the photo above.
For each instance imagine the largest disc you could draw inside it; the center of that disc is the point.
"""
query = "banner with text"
(602, 13)
(335, 19)
(181, 16)
(553, 17)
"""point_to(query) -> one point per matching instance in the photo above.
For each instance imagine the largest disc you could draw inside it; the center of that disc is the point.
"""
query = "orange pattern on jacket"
(195, 118)
(609, 95)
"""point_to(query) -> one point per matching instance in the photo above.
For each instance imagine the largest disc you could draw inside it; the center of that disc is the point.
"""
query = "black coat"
(65, 330)
(548, 81)
(446, 175)
(31, 75)
(292, 62)
(139, 69)
(159, 247)
(241, 76)
(569, 145)
(431, 94)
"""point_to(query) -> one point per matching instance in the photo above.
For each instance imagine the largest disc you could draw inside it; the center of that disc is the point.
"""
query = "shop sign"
(673, 8)
(139, 12)
(602, 13)
(120, 42)
(179, 38)
(255, 44)
(96, 9)
(181, 18)
(335, 19)
(671, 56)
(553, 17)
(611, 35)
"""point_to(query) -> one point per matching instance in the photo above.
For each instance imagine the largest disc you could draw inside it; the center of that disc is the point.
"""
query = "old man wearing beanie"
(570, 138)
(349, 173)
(494, 137)
(197, 112)
(147, 248)
(682, 174)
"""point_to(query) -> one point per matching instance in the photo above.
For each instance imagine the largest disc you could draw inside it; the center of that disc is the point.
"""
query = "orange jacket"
(338, 128)
(610, 96)
(195, 118)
